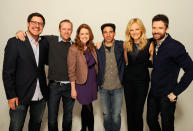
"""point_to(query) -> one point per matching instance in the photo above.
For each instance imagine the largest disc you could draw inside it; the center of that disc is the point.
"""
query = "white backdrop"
(13, 14)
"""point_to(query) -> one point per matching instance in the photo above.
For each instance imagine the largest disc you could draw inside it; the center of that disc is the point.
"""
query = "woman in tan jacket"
(82, 70)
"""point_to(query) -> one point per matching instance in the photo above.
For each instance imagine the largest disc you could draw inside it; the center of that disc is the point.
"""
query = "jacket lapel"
(30, 51)
(117, 53)
(41, 51)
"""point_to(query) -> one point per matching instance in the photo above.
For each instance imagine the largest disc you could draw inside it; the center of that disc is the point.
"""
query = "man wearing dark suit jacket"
(24, 75)
(169, 57)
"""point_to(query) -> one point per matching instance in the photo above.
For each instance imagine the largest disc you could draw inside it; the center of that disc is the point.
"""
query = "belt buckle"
(60, 83)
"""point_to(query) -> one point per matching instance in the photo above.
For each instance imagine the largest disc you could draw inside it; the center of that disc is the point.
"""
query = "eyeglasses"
(34, 23)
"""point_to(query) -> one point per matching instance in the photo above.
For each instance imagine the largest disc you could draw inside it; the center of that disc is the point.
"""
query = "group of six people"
(77, 70)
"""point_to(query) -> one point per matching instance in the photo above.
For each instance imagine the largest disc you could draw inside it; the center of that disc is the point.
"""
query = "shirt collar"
(162, 40)
(31, 39)
(103, 42)
(60, 39)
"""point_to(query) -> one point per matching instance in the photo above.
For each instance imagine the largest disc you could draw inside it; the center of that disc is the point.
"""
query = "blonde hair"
(128, 43)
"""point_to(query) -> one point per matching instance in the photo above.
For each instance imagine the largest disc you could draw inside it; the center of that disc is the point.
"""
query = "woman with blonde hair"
(82, 70)
(137, 51)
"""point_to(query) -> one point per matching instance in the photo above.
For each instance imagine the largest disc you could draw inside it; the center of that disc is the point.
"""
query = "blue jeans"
(17, 116)
(56, 92)
(111, 101)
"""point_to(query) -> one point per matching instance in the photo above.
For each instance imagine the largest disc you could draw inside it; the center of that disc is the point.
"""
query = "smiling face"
(159, 30)
(135, 32)
(84, 35)
(65, 30)
(35, 26)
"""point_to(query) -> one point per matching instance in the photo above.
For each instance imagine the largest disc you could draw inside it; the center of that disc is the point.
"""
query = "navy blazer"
(170, 58)
(119, 54)
(20, 71)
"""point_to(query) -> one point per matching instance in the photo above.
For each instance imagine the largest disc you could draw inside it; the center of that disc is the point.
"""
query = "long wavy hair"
(90, 43)
(128, 43)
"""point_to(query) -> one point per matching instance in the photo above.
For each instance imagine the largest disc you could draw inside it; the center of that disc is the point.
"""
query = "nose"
(37, 25)
(108, 33)
(156, 30)
(134, 32)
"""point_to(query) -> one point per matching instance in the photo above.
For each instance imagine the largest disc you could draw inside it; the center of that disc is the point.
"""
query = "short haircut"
(35, 14)
(161, 17)
(108, 24)
(65, 20)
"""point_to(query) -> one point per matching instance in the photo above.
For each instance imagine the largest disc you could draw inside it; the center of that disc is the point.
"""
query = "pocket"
(165, 99)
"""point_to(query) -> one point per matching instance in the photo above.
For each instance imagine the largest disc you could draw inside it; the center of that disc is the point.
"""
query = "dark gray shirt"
(111, 77)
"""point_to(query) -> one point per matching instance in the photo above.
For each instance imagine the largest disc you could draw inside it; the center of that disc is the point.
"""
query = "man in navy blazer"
(24, 75)
(169, 57)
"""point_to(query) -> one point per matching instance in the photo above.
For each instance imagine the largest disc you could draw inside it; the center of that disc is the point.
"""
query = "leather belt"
(53, 82)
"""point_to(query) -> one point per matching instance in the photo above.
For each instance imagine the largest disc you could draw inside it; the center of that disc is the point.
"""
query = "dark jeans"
(162, 105)
(17, 116)
(135, 96)
(56, 92)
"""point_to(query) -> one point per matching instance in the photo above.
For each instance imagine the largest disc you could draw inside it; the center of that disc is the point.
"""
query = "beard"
(161, 36)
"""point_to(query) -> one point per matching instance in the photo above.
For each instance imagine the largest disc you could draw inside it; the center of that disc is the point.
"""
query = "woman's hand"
(125, 53)
(73, 90)
(151, 49)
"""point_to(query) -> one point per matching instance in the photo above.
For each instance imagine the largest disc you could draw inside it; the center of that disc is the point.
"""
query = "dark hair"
(35, 14)
(108, 24)
(161, 17)
(65, 20)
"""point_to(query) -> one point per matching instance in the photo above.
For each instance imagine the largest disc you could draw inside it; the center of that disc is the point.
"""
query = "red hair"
(78, 43)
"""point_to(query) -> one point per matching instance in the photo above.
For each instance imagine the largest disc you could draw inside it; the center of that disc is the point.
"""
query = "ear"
(167, 30)
(27, 24)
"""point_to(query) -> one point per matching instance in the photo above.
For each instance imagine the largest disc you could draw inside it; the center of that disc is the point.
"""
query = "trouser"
(162, 105)
(135, 96)
(111, 101)
(56, 92)
(17, 116)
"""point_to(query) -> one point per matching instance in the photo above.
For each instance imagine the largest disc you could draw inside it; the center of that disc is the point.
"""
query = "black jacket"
(20, 71)
(170, 58)
(137, 68)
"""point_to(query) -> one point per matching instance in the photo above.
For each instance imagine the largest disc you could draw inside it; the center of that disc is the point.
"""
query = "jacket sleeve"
(9, 68)
(184, 61)
(71, 61)
(46, 42)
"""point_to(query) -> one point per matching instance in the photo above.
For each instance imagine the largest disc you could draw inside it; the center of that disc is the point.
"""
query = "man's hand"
(98, 45)
(13, 103)
(172, 97)
(20, 35)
